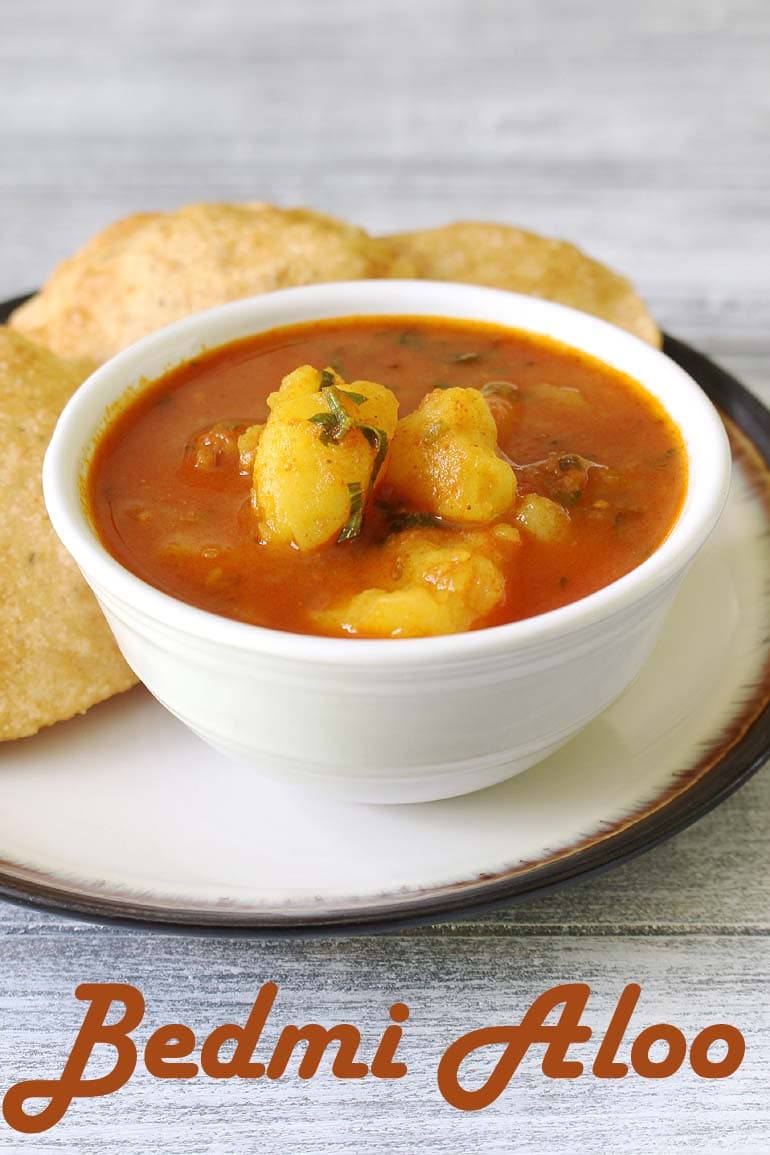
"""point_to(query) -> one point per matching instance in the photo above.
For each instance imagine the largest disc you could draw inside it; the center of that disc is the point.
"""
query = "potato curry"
(387, 477)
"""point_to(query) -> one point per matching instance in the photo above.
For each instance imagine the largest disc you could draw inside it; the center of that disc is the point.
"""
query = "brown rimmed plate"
(123, 815)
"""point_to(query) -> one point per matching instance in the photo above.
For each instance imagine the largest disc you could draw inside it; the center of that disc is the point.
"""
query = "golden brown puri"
(150, 269)
(57, 655)
(481, 253)
(153, 268)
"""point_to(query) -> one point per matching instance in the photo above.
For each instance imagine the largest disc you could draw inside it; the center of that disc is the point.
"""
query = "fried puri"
(57, 655)
(481, 253)
(150, 269)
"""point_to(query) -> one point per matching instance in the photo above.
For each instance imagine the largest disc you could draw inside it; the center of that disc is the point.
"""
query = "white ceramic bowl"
(385, 720)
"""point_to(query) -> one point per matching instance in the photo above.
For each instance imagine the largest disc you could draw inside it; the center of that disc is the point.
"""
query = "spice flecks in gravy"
(172, 502)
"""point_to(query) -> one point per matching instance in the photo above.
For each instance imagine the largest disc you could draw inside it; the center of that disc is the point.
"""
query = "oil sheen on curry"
(387, 477)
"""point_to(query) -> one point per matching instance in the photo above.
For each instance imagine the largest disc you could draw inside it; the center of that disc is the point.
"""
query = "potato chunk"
(558, 395)
(247, 448)
(444, 459)
(305, 479)
(433, 582)
(544, 519)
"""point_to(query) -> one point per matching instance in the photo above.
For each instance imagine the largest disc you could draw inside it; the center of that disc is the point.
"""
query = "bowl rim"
(71, 445)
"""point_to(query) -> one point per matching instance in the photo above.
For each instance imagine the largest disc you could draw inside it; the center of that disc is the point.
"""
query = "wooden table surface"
(641, 132)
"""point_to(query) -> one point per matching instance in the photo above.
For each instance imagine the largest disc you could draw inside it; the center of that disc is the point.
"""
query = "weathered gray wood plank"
(450, 986)
(641, 134)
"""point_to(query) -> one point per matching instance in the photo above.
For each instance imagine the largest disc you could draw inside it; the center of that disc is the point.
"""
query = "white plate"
(123, 813)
